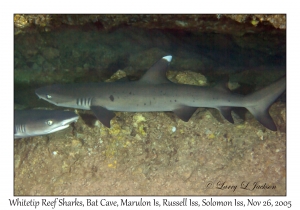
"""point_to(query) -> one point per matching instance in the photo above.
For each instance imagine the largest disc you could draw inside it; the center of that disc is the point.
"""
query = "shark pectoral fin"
(226, 112)
(103, 115)
(185, 113)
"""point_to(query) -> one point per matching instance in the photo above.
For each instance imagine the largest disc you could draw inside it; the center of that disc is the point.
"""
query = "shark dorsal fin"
(157, 73)
(222, 86)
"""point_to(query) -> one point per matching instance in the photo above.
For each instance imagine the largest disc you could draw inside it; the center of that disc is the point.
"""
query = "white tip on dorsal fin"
(157, 73)
(168, 58)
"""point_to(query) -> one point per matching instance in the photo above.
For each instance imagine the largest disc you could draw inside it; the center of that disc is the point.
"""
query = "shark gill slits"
(111, 97)
(83, 101)
(88, 101)
(20, 128)
(79, 101)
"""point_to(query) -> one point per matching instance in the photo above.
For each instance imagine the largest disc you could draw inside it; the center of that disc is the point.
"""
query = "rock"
(50, 52)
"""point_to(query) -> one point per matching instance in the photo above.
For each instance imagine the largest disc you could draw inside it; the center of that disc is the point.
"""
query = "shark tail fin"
(259, 102)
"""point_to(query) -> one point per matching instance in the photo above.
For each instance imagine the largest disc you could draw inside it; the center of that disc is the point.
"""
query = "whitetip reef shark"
(154, 92)
(41, 122)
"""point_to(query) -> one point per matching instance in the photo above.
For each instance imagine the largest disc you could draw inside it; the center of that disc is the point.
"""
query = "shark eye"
(49, 122)
(48, 96)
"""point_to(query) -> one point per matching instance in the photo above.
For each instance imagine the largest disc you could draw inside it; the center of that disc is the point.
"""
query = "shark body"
(154, 92)
(41, 122)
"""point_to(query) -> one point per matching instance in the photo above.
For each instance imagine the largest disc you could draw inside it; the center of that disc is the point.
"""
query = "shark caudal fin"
(259, 102)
